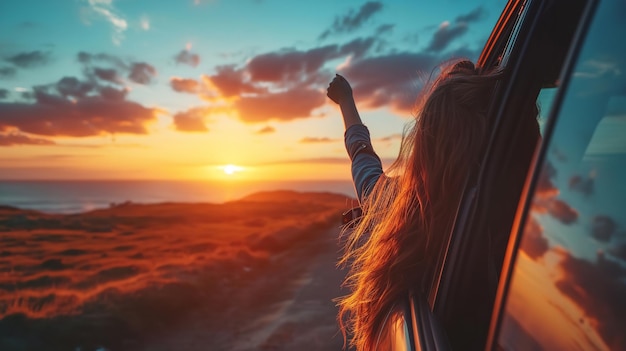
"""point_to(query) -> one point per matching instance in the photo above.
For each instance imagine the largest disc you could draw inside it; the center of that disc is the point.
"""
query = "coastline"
(76, 196)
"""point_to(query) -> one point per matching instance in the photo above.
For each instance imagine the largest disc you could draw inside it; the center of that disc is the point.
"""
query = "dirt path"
(306, 321)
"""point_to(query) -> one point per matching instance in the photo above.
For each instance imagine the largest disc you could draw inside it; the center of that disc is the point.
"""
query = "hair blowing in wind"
(411, 208)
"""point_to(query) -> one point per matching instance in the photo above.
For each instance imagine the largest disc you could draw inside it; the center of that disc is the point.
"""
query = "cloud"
(88, 59)
(266, 130)
(316, 140)
(533, 242)
(111, 69)
(12, 139)
(289, 84)
(94, 115)
(141, 72)
(183, 85)
(104, 9)
(73, 87)
(109, 74)
(4, 93)
(287, 105)
(7, 72)
(475, 15)
(583, 185)
(290, 65)
(353, 20)
(231, 82)
(192, 120)
(619, 250)
(545, 199)
(598, 289)
(446, 34)
(186, 57)
(72, 107)
(603, 228)
(29, 59)
(389, 80)
(384, 29)
(560, 210)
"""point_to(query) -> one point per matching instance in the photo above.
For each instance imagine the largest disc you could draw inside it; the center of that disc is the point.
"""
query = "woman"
(408, 210)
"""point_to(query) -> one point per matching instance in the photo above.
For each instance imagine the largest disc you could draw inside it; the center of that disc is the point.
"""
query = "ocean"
(72, 196)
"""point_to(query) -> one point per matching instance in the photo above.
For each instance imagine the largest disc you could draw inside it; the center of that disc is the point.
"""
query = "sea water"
(73, 196)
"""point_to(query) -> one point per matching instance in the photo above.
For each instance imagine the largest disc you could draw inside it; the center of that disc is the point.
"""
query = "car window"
(568, 284)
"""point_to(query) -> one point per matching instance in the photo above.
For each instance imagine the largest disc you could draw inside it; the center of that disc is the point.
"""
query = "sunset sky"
(134, 89)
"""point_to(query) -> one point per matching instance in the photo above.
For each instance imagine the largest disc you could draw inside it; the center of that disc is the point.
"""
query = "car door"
(531, 44)
(564, 282)
(537, 53)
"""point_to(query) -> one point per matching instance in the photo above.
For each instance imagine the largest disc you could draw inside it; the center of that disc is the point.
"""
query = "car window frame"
(515, 81)
(524, 207)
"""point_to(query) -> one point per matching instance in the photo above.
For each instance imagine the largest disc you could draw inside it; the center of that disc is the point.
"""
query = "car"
(537, 256)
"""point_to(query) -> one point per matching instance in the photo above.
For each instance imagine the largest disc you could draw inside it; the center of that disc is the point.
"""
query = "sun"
(231, 169)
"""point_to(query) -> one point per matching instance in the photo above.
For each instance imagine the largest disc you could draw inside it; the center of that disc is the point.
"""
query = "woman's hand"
(339, 90)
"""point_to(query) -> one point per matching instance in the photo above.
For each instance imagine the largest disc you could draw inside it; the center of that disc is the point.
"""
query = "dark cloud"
(353, 20)
(52, 115)
(266, 130)
(288, 84)
(619, 250)
(603, 228)
(7, 72)
(112, 69)
(560, 210)
(475, 15)
(107, 74)
(4, 93)
(598, 289)
(73, 87)
(390, 80)
(141, 72)
(72, 107)
(533, 242)
(357, 48)
(29, 59)
(192, 120)
(290, 65)
(88, 59)
(446, 34)
(12, 139)
(582, 185)
(110, 93)
(384, 29)
(183, 85)
(316, 140)
(187, 58)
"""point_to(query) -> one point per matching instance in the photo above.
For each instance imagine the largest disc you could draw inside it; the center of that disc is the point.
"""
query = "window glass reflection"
(568, 289)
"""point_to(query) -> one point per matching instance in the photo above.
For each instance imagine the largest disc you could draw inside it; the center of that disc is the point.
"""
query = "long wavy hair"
(409, 211)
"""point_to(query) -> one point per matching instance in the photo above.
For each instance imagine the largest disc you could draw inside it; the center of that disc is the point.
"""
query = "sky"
(215, 89)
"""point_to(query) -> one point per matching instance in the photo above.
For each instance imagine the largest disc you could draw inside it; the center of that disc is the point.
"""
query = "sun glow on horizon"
(231, 169)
